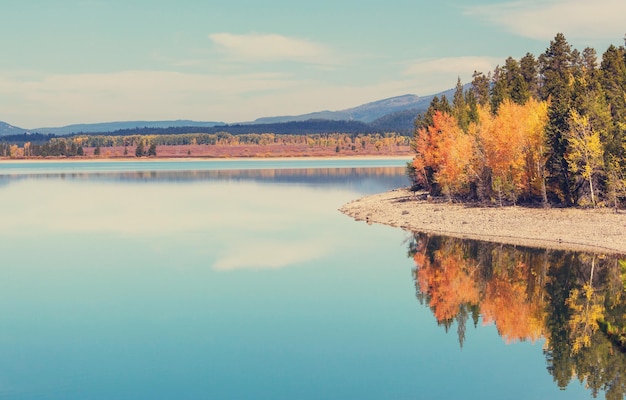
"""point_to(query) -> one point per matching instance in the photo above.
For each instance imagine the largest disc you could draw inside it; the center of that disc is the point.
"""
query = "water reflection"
(575, 301)
(337, 177)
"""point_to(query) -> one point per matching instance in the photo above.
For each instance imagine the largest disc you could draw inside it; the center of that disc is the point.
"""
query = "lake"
(241, 280)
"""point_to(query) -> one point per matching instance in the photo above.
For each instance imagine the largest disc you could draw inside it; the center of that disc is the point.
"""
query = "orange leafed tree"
(443, 156)
(511, 146)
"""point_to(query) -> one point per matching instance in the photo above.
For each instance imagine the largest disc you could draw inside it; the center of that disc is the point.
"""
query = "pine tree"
(499, 91)
(528, 69)
(516, 86)
(139, 151)
(152, 150)
(480, 88)
(459, 107)
(613, 80)
(555, 66)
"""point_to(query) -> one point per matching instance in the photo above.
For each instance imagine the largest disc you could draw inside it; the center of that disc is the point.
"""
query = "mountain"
(364, 113)
(368, 113)
(394, 114)
(403, 121)
(280, 128)
(7, 129)
(116, 126)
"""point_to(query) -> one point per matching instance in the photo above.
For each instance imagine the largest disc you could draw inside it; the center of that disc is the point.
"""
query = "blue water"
(35, 167)
(228, 286)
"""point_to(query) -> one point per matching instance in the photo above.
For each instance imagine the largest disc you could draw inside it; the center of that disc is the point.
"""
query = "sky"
(86, 61)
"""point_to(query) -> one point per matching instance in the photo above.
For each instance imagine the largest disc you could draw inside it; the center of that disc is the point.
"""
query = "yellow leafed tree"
(584, 152)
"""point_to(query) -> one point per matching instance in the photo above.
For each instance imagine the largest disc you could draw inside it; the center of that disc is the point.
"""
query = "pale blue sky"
(82, 61)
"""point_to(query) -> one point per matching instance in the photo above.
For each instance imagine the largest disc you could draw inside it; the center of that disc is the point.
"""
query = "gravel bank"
(600, 230)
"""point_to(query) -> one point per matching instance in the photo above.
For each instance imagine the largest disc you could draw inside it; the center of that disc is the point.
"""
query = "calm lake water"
(241, 280)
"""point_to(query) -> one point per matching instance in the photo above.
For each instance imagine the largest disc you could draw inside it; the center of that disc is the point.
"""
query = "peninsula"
(598, 230)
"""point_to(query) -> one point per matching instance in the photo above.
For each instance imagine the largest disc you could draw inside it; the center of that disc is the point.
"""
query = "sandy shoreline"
(600, 230)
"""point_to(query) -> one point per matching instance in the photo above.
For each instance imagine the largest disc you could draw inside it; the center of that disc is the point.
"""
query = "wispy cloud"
(130, 95)
(230, 95)
(441, 73)
(269, 47)
(157, 95)
(454, 65)
(577, 19)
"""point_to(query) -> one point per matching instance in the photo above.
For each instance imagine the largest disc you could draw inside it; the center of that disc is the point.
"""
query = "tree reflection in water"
(575, 301)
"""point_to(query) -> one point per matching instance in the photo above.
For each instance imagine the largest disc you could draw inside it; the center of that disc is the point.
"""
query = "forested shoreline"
(548, 129)
(149, 145)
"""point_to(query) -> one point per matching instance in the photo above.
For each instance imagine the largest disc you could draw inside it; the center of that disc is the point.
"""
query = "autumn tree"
(584, 153)
(504, 147)
(443, 156)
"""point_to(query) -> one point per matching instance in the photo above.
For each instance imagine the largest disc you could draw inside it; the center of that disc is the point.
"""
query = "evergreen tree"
(528, 69)
(139, 150)
(555, 66)
(590, 62)
(425, 120)
(152, 150)
(499, 91)
(472, 106)
(613, 81)
(96, 151)
(459, 107)
(480, 88)
(516, 86)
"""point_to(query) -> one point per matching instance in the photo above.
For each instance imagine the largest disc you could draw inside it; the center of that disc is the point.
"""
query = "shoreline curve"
(594, 230)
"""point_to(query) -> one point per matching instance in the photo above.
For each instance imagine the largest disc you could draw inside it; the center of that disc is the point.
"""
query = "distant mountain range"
(365, 113)
(116, 126)
(7, 129)
(395, 114)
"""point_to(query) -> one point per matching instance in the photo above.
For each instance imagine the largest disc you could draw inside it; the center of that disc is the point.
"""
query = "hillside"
(9, 130)
(395, 114)
(365, 113)
(116, 126)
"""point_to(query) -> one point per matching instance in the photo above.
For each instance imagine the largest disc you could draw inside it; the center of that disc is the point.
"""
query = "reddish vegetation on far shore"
(258, 151)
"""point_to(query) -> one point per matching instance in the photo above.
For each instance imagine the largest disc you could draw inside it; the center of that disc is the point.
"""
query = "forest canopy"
(549, 129)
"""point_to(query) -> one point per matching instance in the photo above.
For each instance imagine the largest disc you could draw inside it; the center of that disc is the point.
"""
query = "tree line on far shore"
(146, 145)
(550, 129)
